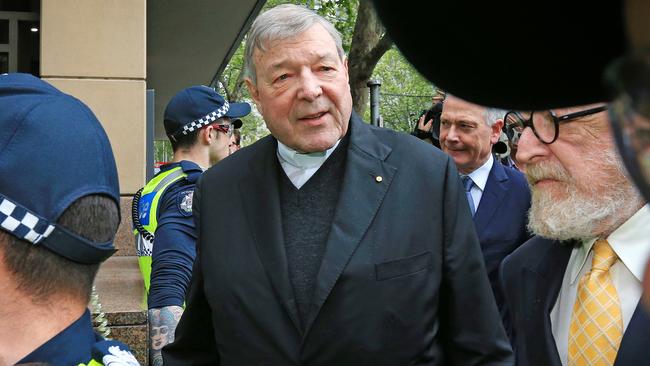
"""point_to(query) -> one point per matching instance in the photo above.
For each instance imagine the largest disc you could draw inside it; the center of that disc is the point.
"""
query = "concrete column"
(95, 50)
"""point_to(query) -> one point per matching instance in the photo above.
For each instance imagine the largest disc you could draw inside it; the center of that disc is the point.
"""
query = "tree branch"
(239, 85)
(225, 88)
(383, 45)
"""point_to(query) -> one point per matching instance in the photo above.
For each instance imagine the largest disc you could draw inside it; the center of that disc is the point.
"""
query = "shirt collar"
(70, 347)
(186, 165)
(629, 241)
(303, 160)
(480, 175)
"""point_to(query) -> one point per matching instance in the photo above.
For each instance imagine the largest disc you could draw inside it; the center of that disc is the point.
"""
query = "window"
(26, 6)
(28, 47)
(20, 36)
(4, 62)
(4, 31)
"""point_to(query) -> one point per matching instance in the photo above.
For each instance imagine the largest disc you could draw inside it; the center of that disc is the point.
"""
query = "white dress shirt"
(631, 242)
(299, 167)
(480, 177)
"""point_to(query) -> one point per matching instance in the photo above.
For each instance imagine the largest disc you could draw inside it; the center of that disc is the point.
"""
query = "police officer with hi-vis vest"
(199, 123)
(59, 211)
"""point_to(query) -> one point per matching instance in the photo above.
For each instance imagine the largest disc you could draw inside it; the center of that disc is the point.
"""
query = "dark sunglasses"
(226, 128)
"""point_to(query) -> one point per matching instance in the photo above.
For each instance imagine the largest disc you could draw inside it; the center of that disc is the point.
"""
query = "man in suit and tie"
(573, 290)
(498, 195)
(551, 81)
(331, 242)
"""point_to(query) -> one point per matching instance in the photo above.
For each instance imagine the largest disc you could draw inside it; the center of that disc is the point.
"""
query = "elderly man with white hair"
(578, 282)
(331, 242)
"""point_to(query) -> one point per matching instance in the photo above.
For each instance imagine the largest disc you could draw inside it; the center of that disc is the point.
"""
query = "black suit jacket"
(402, 281)
(532, 278)
(501, 218)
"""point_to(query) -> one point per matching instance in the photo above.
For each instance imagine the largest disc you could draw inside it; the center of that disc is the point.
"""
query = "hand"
(162, 325)
(425, 126)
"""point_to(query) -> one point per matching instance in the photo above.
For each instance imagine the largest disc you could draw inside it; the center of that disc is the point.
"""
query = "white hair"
(284, 22)
(493, 114)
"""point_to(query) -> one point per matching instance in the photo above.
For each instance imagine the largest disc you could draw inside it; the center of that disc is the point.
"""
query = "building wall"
(96, 51)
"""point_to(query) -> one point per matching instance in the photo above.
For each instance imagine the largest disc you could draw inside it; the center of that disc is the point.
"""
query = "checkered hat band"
(23, 223)
(204, 121)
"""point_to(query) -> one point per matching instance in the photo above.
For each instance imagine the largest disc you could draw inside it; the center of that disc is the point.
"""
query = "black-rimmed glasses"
(545, 124)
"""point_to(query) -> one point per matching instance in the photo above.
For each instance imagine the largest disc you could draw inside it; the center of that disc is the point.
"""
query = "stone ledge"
(121, 288)
(127, 318)
(121, 292)
(136, 337)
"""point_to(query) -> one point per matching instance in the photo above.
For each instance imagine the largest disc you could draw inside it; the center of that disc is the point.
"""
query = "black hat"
(510, 54)
(198, 106)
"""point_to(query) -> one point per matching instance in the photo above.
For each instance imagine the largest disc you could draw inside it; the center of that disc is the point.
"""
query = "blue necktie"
(468, 183)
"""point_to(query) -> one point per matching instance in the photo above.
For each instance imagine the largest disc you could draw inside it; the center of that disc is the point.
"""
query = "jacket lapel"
(545, 278)
(636, 339)
(261, 200)
(361, 195)
(495, 188)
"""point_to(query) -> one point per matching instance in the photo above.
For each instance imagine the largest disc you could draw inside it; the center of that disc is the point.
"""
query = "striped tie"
(596, 323)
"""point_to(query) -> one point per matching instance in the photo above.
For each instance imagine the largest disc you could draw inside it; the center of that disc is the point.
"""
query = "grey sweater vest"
(307, 215)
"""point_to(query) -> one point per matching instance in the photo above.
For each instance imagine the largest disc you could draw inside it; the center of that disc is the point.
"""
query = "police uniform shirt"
(174, 246)
(79, 344)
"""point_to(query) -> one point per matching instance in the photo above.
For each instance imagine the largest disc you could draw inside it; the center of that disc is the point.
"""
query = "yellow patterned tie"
(596, 323)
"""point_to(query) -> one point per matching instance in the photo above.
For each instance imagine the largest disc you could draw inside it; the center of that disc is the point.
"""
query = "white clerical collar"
(304, 160)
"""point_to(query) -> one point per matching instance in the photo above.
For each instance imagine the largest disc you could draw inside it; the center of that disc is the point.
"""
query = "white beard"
(572, 212)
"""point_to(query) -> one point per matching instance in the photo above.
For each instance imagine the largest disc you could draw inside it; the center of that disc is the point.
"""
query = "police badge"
(185, 202)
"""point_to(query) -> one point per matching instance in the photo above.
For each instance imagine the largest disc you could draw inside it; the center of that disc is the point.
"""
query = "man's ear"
(254, 93)
(205, 136)
(496, 131)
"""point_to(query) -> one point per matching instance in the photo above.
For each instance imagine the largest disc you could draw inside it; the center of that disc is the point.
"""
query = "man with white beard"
(572, 290)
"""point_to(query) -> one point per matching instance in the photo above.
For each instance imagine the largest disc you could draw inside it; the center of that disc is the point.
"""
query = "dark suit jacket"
(402, 281)
(532, 277)
(501, 218)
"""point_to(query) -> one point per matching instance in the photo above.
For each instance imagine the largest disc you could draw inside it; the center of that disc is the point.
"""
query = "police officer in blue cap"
(59, 211)
(199, 124)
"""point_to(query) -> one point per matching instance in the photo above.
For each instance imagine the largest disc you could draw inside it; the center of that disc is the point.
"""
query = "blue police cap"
(198, 106)
(53, 151)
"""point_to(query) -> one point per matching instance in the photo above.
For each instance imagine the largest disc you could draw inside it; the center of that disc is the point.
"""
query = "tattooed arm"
(171, 268)
(162, 325)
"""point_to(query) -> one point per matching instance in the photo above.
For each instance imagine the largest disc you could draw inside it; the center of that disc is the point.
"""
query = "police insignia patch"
(185, 202)
(112, 353)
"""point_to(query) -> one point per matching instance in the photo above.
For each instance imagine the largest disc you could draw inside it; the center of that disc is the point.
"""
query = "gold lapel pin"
(378, 179)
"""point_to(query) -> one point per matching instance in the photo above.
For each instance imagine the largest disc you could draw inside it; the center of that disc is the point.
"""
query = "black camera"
(431, 114)
(428, 114)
